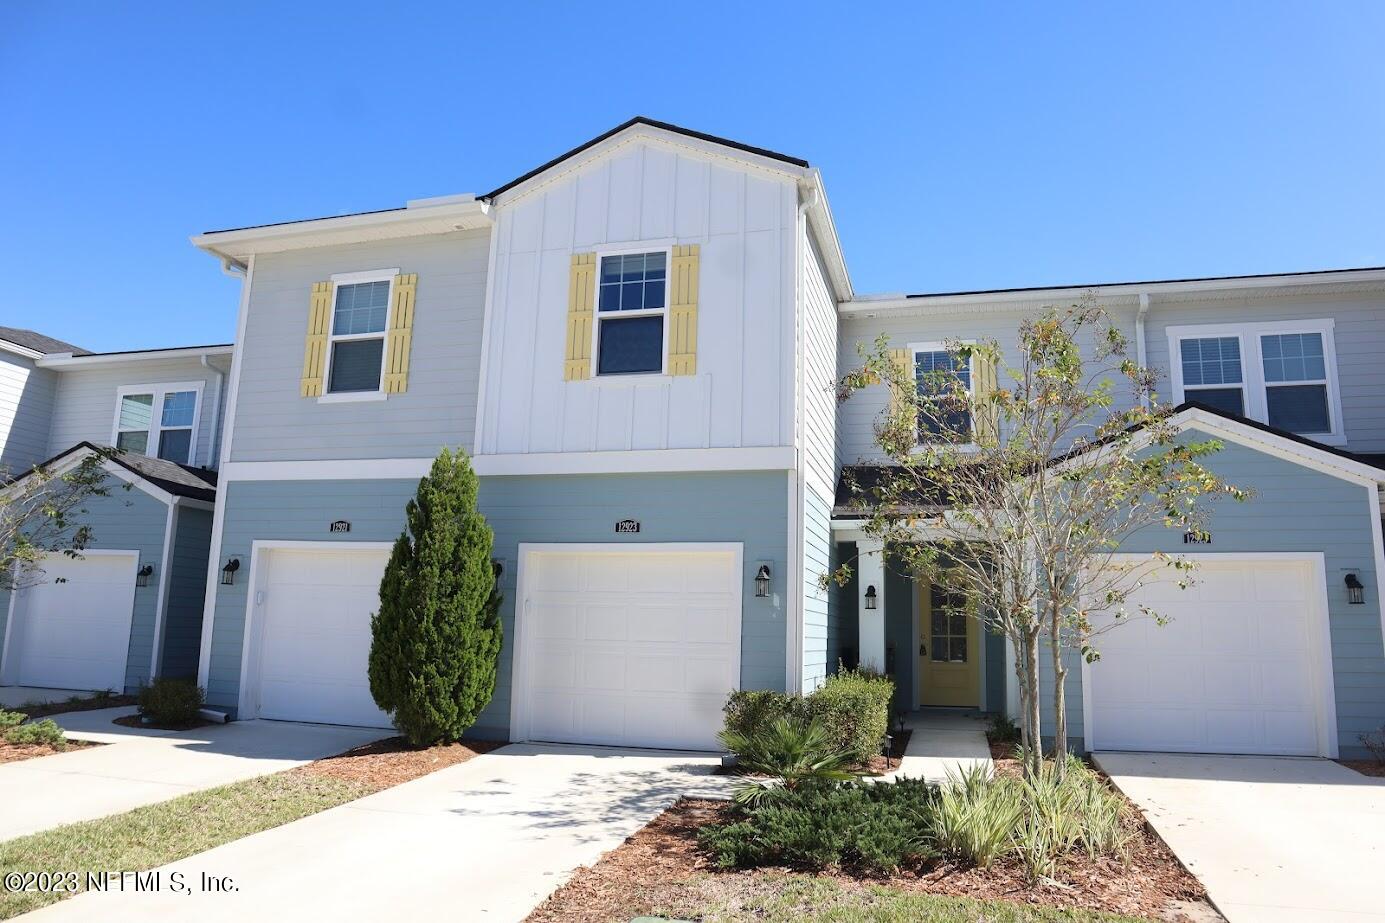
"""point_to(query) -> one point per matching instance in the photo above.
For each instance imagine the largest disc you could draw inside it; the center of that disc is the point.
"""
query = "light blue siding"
(126, 520)
(186, 591)
(751, 508)
(1294, 509)
(817, 561)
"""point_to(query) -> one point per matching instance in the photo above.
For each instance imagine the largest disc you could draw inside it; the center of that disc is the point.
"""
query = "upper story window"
(158, 420)
(944, 416)
(360, 313)
(1281, 373)
(632, 298)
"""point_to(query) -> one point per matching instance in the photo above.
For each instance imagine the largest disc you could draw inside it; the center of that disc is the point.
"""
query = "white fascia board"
(825, 232)
(18, 350)
(1288, 449)
(69, 361)
(416, 220)
(867, 306)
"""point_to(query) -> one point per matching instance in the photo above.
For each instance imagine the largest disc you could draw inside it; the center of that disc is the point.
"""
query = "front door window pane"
(947, 641)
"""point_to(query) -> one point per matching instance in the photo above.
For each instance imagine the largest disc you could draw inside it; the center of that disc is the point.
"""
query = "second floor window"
(1282, 373)
(357, 353)
(632, 295)
(944, 415)
(158, 420)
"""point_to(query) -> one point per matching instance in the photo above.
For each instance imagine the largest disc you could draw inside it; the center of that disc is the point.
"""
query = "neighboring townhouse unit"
(1277, 648)
(129, 608)
(637, 343)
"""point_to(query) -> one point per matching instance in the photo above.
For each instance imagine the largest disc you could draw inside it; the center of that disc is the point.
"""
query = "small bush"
(795, 752)
(1002, 730)
(9, 719)
(171, 701)
(975, 816)
(1375, 743)
(852, 706)
(870, 826)
(38, 733)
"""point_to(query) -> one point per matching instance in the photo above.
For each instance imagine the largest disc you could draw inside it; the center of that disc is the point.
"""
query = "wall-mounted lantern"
(228, 573)
(870, 596)
(1356, 591)
(762, 581)
(142, 575)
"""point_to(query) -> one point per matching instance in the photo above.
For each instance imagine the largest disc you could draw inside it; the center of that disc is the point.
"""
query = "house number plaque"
(341, 525)
(628, 525)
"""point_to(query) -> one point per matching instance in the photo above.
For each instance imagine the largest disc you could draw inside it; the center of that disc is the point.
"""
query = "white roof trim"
(74, 458)
(420, 217)
(1287, 449)
(18, 350)
(67, 360)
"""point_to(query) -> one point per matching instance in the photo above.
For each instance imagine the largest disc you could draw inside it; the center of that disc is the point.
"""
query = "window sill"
(352, 397)
(964, 447)
(630, 380)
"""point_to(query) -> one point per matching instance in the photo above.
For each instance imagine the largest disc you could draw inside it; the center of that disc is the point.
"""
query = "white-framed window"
(159, 420)
(355, 367)
(631, 328)
(1283, 373)
(937, 372)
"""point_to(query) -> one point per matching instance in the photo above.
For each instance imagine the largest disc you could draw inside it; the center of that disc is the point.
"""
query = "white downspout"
(214, 445)
(1140, 352)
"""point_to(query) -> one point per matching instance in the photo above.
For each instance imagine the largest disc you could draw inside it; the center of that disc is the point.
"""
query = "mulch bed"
(389, 762)
(13, 753)
(88, 704)
(136, 721)
(1366, 767)
(661, 867)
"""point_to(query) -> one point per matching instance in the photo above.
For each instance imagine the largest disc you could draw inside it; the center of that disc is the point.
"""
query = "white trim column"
(870, 574)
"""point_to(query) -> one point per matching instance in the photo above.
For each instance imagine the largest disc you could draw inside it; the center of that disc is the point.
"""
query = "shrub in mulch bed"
(1366, 767)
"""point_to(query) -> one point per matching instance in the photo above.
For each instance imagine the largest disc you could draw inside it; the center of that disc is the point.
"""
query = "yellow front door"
(949, 647)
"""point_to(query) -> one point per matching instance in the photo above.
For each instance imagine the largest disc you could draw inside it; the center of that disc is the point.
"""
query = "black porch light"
(870, 596)
(142, 575)
(228, 573)
(762, 581)
(1356, 591)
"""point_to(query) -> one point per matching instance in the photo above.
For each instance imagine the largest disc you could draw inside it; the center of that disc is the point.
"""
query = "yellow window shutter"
(581, 293)
(904, 363)
(315, 348)
(682, 310)
(399, 338)
(983, 386)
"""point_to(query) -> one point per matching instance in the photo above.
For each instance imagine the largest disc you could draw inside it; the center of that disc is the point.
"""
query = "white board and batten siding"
(645, 193)
(275, 423)
(26, 406)
(85, 406)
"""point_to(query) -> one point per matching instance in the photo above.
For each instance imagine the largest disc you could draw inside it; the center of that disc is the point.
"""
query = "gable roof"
(169, 477)
(39, 343)
(652, 123)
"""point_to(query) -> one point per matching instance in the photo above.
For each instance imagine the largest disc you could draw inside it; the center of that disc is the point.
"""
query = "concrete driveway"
(140, 766)
(1271, 838)
(485, 840)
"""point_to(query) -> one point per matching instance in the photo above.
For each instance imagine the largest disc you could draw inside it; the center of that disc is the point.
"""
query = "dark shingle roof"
(30, 339)
(179, 480)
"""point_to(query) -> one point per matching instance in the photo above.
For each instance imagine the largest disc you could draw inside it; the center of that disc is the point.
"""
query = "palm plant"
(793, 752)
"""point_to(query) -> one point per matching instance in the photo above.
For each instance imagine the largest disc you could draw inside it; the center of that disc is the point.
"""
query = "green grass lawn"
(781, 898)
(158, 834)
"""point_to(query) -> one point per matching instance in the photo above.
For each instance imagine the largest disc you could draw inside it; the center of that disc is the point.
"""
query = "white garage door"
(72, 631)
(1240, 668)
(631, 648)
(315, 635)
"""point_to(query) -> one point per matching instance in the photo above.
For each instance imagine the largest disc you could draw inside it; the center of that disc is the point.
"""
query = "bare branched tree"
(1016, 485)
(41, 513)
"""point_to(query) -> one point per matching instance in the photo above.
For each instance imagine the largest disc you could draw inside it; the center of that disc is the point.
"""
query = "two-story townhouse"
(637, 342)
(633, 342)
(1277, 647)
(129, 607)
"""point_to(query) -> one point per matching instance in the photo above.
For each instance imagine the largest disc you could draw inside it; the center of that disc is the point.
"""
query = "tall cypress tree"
(435, 642)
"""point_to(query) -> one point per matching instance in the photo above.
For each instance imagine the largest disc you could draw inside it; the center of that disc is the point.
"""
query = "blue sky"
(963, 145)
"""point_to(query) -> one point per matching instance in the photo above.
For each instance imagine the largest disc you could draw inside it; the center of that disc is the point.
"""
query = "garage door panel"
(654, 651)
(556, 621)
(315, 636)
(73, 630)
(1232, 671)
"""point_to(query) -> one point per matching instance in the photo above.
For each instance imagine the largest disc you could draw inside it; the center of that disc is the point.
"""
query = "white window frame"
(158, 390)
(941, 346)
(1253, 368)
(356, 278)
(632, 377)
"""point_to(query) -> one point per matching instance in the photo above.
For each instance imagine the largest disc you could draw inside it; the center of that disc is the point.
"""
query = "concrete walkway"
(485, 840)
(941, 741)
(140, 766)
(1273, 839)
